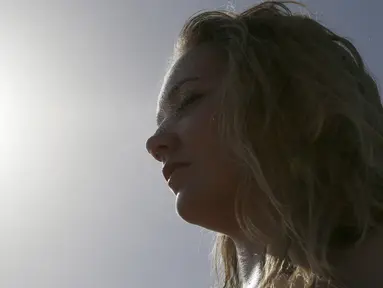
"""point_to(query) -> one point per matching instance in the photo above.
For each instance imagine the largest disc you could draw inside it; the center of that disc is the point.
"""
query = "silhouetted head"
(270, 128)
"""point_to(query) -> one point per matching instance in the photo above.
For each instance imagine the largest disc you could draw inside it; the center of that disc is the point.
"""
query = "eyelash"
(188, 101)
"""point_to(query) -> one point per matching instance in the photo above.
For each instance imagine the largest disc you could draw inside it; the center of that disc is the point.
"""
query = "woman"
(270, 132)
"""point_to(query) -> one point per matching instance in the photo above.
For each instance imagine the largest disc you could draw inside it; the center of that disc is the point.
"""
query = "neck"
(360, 266)
(249, 258)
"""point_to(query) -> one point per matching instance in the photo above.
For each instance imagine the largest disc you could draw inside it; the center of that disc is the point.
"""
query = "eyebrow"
(173, 91)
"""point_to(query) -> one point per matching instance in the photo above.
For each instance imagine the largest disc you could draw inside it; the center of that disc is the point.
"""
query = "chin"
(185, 209)
(190, 209)
(198, 212)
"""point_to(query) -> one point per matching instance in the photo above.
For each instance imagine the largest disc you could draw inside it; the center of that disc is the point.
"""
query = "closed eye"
(190, 99)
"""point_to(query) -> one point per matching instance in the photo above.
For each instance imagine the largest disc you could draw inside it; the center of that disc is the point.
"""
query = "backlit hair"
(304, 118)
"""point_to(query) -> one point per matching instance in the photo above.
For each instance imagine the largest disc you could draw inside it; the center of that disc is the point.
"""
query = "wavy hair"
(304, 118)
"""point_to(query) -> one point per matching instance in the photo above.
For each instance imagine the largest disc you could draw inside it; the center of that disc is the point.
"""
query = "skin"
(205, 188)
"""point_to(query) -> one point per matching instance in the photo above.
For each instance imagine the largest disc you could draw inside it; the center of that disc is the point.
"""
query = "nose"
(161, 144)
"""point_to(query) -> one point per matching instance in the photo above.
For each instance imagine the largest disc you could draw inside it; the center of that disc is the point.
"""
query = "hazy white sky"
(81, 202)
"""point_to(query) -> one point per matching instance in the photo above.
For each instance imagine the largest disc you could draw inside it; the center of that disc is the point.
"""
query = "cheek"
(213, 179)
(199, 133)
(198, 130)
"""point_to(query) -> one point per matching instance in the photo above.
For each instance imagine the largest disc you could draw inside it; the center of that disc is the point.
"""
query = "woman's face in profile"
(197, 166)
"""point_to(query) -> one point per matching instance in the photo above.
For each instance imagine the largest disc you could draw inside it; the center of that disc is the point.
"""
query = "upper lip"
(170, 167)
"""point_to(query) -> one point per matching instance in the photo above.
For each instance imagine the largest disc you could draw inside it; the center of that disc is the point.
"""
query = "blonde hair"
(304, 119)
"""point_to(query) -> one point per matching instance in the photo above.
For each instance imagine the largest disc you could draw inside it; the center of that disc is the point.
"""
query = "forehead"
(204, 63)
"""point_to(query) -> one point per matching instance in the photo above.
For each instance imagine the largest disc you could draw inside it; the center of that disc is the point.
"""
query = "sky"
(82, 204)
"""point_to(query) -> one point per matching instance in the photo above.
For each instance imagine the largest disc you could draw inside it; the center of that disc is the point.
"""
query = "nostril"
(159, 152)
(161, 144)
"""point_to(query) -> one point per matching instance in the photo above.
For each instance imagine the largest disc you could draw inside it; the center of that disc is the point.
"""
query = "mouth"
(170, 168)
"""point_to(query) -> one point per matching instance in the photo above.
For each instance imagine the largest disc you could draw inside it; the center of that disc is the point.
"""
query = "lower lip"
(173, 181)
